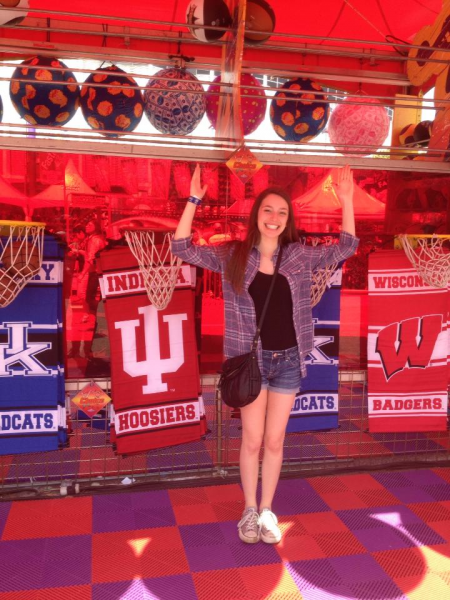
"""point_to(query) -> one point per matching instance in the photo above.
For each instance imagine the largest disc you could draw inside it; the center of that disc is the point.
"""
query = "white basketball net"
(429, 256)
(21, 251)
(158, 265)
(321, 278)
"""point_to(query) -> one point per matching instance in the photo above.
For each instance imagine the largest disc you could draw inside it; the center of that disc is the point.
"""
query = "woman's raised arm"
(197, 192)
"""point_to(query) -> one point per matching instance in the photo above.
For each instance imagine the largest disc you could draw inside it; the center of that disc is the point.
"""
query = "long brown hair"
(240, 251)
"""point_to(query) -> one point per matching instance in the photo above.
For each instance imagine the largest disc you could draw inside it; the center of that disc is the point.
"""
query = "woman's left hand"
(344, 184)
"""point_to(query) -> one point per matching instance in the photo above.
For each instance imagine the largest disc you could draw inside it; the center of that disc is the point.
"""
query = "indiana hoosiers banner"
(154, 363)
(32, 396)
(407, 347)
(316, 406)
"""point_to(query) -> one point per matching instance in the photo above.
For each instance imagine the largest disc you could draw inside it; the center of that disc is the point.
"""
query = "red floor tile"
(323, 522)
(49, 518)
(270, 582)
(343, 500)
(79, 592)
(193, 514)
(339, 543)
(120, 556)
(299, 547)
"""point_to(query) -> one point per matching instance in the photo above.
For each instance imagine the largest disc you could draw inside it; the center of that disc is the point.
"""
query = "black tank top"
(278, 331)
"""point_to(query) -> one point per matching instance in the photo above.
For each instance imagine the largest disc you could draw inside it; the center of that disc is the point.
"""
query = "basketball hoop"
(321, 277)
(21, 252)
(429, 256)
(157, 264)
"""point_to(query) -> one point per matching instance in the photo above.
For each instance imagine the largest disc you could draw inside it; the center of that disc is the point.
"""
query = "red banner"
(407, 347)
(154, 364)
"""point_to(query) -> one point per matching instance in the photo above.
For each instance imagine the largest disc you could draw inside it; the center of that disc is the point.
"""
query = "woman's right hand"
(196, 186)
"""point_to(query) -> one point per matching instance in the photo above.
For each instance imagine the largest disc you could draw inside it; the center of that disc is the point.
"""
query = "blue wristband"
(195, 200)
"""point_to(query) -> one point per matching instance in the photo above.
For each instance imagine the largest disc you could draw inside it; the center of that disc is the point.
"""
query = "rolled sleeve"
(321, 256)
(201, 256)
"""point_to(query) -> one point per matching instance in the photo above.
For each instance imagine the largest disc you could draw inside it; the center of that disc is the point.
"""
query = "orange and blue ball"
(297, 112)
(43, 96)
(116, 105)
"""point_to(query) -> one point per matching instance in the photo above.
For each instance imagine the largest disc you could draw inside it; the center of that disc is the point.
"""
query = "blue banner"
(32, 389)
(316, 405)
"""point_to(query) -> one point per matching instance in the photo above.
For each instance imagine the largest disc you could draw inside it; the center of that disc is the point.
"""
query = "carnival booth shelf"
(116, 105)
(298, 113)
(174, 101)
(44, 91)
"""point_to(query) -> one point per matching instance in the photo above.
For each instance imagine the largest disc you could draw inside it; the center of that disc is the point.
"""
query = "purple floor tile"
(129, 519)
(377, 590)
(422, 535)
(423, 477)
(296, 496)
(307, 446)
(392, 480)
(358, 568)
(378, 517)
(386, 538)
(411, 495)
(438, 492)
(206, 534)
(210, 558)
(229, 531)
(411, 446)
(4, 512)
(314, 574)
(45, 465)
(250, 555)
(48, 562)
(176, 587)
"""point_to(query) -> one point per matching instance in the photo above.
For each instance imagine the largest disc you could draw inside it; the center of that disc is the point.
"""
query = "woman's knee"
(273, 444)
(251, 444)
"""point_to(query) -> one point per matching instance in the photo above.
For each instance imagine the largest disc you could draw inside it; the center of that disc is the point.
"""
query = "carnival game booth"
(106, 112)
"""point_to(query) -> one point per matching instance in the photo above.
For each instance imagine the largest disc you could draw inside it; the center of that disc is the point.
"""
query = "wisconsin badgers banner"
(316, 406)
(32, 395)
(407, 347)
(154, 363)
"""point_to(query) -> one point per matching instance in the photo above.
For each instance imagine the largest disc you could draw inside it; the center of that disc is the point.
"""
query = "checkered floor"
(384, 536)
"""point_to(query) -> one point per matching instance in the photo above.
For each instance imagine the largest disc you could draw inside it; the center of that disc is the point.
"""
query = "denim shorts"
(281, 370)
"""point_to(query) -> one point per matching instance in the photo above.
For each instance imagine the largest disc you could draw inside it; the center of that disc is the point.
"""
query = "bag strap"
(266, 303)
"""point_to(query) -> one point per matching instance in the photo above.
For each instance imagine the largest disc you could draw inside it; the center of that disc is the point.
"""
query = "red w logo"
(409, 343)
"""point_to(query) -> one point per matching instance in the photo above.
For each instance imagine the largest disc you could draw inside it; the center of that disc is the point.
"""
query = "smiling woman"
(248, 273)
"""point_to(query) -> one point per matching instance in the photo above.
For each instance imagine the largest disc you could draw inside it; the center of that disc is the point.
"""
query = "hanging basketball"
(43, 96)
(174, 101)
(406, 135)
(364, 123)
(260, 17)
(212, 13)
(117, 107)
(422, 133)
(253, 109)
(13, 17)
(297, 112)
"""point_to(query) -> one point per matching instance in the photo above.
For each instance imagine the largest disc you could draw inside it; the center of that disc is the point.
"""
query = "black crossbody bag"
(240, 381)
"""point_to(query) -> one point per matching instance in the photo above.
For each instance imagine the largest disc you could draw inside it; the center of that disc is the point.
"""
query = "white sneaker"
(268, 527)
(248, 526)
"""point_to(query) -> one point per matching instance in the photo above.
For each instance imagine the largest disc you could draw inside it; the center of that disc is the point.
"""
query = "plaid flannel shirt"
(297, 265)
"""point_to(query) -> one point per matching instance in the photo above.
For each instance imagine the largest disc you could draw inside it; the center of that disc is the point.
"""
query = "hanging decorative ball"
(43, 96)
(422, 133)
(13, 17)
(259, 17)
(253, 110)
(212, 13)
(297, 113)
(364, 123)
(174, 101)
(406, 135)
(118, 107)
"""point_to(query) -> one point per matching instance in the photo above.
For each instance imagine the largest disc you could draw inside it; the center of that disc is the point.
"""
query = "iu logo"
(408, 344)
(153, 366)
(18, 356)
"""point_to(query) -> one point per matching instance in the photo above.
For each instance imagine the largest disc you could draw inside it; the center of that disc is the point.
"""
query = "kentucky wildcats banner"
(32, 396)
(316, 405)
(154, 362)
(407, 347)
